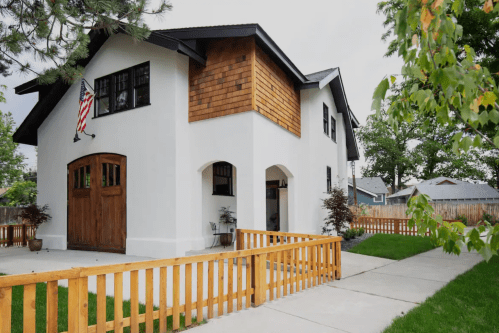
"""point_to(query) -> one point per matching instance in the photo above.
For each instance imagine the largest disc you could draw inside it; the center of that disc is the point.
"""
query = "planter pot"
(35, 244)
(226, 239)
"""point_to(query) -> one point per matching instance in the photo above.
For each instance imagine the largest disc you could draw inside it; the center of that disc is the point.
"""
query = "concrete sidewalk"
(370, 295)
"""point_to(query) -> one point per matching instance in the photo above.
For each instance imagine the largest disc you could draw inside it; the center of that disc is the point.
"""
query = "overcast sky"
(314, 34)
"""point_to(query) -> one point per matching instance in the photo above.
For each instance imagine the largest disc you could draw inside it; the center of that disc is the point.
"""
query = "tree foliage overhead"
(56, 31)
(450, 83)
(454, 88)
(11, 161)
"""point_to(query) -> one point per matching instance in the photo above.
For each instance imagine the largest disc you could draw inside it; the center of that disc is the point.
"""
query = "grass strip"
(468, 303)
(394, 247)
(41, 310)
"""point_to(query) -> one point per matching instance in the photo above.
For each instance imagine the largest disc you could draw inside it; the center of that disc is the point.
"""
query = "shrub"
(489, 218)
(339, 214)
(349, 234)
(35, 215)
(463, 219)
(360, 231)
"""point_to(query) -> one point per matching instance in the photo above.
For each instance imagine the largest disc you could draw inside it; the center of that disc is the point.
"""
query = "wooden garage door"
(97, 203)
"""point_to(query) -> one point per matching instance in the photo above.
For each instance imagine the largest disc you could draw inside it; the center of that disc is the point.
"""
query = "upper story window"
(329, 184)
(222, 178)
(123, 90)
(333, 129)
(326, 119)
(378, 198)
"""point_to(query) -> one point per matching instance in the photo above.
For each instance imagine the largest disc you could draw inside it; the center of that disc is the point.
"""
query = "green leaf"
(477, 141)
(496, 141)
(379, 94)
(466, 143)
(483, 118)
(486, 252)
(392, 79)
(494, 116)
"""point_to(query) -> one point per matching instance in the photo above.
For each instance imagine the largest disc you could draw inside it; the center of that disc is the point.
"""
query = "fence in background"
(297, 263)
(16, 235)
(378, 225)
(8, 215)
(473, 212)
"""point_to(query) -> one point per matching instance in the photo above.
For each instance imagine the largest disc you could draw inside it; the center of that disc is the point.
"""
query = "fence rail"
(16, 234)
(293, 266)
(378, 225)
(473, 212)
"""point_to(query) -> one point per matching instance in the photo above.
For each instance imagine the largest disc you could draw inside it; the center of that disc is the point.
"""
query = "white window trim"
(377, 197)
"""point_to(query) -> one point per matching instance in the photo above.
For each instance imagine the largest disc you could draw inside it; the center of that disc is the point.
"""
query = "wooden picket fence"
(9, 215)
(16, 234)
(378, 225)
(473, 211)
(298, 262)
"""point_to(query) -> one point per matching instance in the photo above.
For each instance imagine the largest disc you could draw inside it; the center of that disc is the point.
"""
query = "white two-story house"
(186, 122)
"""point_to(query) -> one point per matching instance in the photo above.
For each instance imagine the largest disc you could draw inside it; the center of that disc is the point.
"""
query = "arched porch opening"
(219, 189)
(277, 179)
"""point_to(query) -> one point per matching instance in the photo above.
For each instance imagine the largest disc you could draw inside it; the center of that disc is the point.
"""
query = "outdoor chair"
(216, 232)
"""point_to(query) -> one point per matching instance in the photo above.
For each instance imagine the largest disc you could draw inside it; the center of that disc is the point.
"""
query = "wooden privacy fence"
(9, 215)
(300, 265)
(378, 225)
(16, 235)
(473, 212)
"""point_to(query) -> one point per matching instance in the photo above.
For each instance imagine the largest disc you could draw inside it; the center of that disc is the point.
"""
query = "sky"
(314, 34)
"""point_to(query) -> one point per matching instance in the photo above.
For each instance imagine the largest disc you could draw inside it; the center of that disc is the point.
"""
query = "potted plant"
(227, 219)
(35, 216)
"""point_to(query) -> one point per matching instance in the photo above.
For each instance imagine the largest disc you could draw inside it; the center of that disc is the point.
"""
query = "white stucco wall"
(169, 191)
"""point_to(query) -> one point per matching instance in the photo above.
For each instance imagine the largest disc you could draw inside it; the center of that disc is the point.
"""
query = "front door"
(97, 203)
(272, 198)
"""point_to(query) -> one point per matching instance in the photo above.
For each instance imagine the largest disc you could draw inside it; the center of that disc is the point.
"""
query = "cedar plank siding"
(224, 85)
(276, 97)
(240, 77)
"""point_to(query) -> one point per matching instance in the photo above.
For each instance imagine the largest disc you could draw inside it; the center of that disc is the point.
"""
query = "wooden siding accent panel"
(275, 94)
(224, 85)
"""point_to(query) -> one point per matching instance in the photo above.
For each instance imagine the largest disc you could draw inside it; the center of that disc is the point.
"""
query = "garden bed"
(348, 244)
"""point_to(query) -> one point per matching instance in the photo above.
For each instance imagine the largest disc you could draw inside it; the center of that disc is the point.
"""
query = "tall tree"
(55, 31)
(11, 161)
(452, 86)
(386, 149)
(434, 157)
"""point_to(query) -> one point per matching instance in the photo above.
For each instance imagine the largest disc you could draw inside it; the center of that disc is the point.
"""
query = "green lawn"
(395, 247)
(467, 304)
(41, 301)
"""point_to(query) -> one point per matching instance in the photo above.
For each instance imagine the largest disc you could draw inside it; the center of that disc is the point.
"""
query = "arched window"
(222, 178)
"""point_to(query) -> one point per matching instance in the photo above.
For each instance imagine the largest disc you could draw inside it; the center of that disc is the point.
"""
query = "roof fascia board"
(329, 78)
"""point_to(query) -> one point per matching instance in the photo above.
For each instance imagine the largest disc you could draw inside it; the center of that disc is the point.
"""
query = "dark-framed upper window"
(325, 118)
(222, 178)
(333, 129)
(123, 90)
(329, 184)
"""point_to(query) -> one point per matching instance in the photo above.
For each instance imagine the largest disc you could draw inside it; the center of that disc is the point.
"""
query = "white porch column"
(250, 197)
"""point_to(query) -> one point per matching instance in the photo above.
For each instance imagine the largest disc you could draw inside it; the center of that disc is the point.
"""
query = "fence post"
(338, 260)
(10, 235)
(397, 227)
(239, 240)
(259, 279)
(24, 236)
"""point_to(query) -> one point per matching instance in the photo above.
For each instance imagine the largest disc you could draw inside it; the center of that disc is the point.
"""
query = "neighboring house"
(370, 190)
(448, 190)
(186, 122)
(3, 200)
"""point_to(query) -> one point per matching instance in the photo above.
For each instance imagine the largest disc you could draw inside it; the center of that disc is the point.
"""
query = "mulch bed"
(348, 244)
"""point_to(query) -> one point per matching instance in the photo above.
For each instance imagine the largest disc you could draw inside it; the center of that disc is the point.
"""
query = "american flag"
(86, 99)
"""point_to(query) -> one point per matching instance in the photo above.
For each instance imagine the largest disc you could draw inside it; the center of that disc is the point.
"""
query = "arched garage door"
(97, 203)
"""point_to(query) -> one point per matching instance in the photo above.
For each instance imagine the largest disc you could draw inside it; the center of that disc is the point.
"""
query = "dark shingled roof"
(371, 184)
(191, 42)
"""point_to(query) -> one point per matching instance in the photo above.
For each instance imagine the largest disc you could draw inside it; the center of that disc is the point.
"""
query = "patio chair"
(216, 232)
